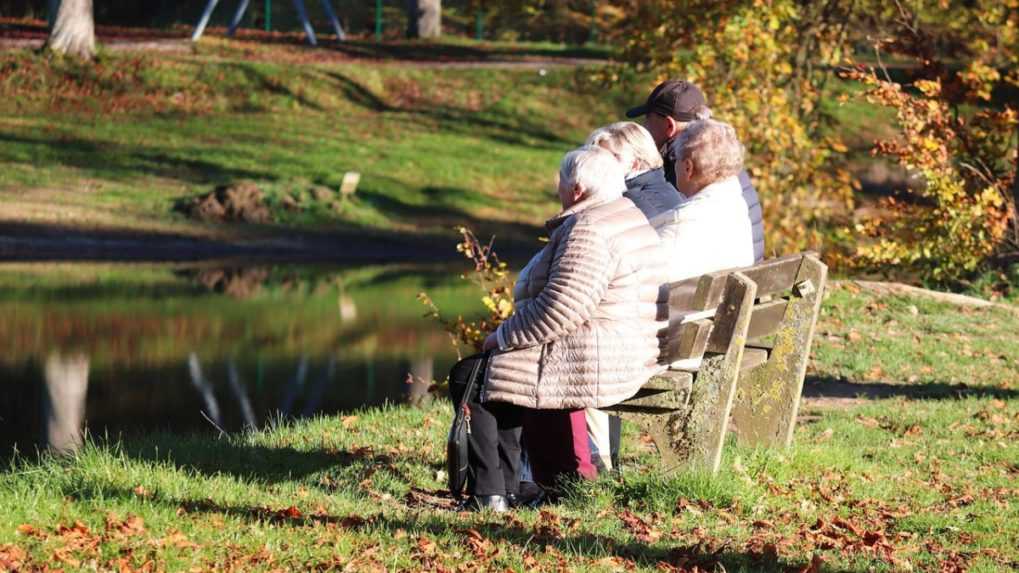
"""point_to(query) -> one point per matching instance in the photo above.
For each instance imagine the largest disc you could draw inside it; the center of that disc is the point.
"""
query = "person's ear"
(578, 192)
(671, 126)
(687, 165)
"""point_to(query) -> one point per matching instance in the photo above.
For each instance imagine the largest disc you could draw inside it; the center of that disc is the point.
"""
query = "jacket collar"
(584, 205)
(720, 187)
(644, 179)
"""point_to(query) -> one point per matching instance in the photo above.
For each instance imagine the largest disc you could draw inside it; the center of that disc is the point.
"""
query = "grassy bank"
(118, 144)
(905, 458)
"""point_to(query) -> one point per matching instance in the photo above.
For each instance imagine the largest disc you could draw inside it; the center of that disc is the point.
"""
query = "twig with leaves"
(492, 277)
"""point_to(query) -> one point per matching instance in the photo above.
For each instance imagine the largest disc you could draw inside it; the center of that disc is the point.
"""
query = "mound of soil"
(235, 202)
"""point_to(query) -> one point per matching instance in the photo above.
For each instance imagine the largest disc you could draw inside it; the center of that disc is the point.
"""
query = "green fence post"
(479, 24)
(378, 20)
(268, 15)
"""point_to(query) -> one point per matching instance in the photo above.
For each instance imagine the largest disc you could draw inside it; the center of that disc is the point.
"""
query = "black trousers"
(494, 439)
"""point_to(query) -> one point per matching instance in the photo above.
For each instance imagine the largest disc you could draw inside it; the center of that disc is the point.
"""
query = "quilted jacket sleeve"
(579, 275)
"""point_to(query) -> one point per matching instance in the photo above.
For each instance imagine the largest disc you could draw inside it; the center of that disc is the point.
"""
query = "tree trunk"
(74, 30)
(424, 18)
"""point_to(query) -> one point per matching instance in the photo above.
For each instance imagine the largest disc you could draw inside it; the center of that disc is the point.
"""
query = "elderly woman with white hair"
(709, 231)
(583, 333)
(635, 149)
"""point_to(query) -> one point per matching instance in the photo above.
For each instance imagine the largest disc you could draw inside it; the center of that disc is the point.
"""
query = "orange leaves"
(12, 557)
(131, 526)
(964, 163)
(639, 528)
(483, 549)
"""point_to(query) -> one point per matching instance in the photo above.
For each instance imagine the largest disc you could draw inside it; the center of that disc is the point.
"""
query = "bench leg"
(768, 397)
(692, 437)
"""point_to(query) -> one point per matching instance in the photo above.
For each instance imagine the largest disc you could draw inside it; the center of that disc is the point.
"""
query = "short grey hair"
(631, 143)
(596, 170)
(713, 148)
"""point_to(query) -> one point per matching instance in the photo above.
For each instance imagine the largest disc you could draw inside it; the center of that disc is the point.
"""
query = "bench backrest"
(693, 305)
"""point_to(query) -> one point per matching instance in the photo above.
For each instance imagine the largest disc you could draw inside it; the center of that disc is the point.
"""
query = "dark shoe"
(531, 495)
(496, 503)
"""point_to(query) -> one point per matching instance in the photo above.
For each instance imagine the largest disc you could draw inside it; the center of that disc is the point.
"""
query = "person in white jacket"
(709, 231)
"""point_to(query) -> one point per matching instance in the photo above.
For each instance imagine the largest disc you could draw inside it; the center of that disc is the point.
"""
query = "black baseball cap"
(676, 98)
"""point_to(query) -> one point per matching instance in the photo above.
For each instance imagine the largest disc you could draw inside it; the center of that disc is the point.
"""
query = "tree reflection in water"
(128, 348)
(66, 381)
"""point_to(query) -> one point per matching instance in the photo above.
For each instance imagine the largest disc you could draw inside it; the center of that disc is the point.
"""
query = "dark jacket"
(754, 210)
(652, 194)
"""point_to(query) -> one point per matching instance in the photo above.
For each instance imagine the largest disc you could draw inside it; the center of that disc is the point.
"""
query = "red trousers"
(557, 445)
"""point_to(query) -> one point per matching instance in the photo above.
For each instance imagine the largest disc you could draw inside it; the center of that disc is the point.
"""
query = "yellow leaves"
(928, 88)
(980, 79)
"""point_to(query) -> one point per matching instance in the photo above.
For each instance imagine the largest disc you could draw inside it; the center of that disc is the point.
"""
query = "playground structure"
(242, 8)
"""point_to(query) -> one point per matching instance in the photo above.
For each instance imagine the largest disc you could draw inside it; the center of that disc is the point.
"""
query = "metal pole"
(479, 24)
(303, 15)
(340, 34)
(378, 20)
(268, 15)
(204, 20)
(241, 9)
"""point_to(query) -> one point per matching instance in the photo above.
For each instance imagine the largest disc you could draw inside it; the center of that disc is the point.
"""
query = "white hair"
(597, 172)
(713, 148)
(631, 143)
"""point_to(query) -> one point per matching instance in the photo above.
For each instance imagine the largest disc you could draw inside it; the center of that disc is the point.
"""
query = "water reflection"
(119, 349)
(66, 384)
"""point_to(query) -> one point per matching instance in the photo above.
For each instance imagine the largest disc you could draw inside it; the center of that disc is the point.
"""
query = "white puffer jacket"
(584, 331)
(707, 232)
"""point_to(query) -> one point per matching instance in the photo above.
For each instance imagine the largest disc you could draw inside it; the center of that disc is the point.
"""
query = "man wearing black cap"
(672, 105)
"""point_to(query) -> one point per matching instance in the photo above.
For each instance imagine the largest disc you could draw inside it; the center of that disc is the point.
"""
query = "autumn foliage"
(762, 67)
(765, 67)
(492, 278)
(953, 138)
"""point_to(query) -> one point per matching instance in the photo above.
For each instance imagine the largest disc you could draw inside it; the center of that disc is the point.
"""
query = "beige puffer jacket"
(584, 331)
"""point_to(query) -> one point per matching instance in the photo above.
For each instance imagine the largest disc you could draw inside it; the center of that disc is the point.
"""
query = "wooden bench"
(737, 345)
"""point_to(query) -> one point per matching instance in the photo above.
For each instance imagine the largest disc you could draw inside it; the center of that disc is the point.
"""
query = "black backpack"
(461, 388)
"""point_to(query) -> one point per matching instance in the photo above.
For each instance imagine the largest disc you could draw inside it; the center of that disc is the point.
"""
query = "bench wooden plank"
(768, 397)
(702, 435)
(666, 392)
(693, 339)
(767, 318)
(699, 293)
(776, 275)
(752, 358)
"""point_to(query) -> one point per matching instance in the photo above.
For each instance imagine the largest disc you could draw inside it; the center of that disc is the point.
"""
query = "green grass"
(120, 143)
(922, 479)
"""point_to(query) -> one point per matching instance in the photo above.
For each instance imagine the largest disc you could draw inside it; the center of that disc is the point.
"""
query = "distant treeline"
(460, 18)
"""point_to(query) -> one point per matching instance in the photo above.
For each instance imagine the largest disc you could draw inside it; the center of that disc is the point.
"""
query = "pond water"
(117, 349)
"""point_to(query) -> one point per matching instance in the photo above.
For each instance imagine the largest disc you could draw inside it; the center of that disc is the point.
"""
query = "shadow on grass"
(511, 129)
(547, 534)
(121, 162)
(828, 387)
(257, 463)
